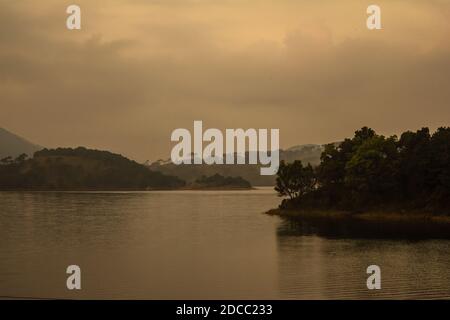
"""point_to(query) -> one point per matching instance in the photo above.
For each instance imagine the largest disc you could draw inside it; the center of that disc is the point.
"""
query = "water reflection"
(353, 228)
(146, 245)
(202, 245)
(326, 260)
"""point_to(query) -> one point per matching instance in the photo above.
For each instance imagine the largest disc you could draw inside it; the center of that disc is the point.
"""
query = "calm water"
(206, 245)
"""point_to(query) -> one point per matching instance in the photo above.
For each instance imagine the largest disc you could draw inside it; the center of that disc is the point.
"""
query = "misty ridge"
(309, 153)
(234, 139)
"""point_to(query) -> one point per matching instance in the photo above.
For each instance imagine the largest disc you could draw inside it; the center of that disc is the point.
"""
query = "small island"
(372, 179)
(219, 182)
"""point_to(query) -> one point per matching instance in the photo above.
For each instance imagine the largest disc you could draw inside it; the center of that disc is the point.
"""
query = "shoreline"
(375, 217)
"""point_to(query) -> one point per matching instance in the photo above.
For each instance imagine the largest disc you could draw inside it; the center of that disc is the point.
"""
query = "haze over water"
(198, 245)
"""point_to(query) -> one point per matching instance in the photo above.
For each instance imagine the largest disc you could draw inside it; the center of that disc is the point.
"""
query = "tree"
(439, 172)
(371, 171)
(295, 180)
(331, 171)
(414, 163)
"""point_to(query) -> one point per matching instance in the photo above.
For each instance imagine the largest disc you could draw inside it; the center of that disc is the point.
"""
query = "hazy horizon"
(139, 69)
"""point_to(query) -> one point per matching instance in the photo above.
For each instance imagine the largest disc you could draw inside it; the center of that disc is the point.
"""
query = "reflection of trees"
(342, 228)
(327, 260)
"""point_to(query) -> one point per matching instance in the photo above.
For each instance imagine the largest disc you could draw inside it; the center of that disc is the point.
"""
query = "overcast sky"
(139, 69)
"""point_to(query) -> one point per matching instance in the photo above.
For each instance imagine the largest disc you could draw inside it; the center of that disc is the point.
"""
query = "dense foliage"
(295, 180)
(370, 170)
(80, 168)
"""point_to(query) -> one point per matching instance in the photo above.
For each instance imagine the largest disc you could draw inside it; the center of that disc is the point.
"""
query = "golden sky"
(139, 69)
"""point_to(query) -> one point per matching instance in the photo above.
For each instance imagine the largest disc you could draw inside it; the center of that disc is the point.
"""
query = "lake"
(199, 245)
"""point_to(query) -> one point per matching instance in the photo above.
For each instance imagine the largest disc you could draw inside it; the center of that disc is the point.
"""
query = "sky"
(138, 69)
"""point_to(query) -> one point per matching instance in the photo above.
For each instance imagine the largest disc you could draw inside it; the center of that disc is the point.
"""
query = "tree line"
(371, 170)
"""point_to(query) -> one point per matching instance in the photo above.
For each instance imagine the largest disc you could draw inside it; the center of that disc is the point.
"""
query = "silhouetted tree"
(295, 180)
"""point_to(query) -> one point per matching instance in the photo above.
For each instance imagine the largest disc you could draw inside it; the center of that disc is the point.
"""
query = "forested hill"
(371, 171)
(80, 169)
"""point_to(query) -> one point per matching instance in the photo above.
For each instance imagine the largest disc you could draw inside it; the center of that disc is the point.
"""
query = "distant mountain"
(309, 153)
(12, 145)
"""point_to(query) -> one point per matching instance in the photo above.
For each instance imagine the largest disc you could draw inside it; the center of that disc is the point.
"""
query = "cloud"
(139, 69)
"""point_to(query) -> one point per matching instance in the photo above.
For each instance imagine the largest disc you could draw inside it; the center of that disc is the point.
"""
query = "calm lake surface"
(198, 245)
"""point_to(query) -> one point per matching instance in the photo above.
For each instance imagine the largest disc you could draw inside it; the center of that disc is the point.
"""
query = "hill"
(12, 145)
(81, 169)
(371, 172)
